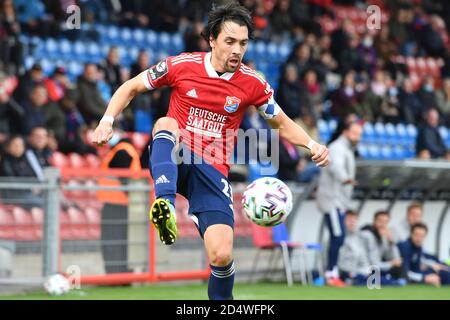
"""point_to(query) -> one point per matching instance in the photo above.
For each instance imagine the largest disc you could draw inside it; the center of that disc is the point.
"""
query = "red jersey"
(206, 106)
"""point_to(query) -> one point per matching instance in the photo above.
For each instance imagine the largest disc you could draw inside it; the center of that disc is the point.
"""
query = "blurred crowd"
(329, 74)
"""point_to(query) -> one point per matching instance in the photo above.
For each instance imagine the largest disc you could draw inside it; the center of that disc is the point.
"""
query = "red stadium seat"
(92, 161)
(65, 228)
(93, 217)
(7, 226)
(37, 215)
(24, 225)
(77, 161)
(78, 224)
(59, 160)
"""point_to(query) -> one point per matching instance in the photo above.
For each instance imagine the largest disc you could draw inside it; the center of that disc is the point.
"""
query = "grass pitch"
(257, 291)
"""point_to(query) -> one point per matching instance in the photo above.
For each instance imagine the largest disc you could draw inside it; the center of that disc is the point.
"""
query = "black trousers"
(114, 236)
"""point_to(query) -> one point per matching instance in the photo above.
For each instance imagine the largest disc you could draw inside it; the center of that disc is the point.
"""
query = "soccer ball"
(267, 201)
(57, 285)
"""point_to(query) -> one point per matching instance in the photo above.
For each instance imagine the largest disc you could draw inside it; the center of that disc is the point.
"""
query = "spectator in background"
(289, 94)
(402, 231)
(301, 58)
(261, 21)
(28, 81)
(281, 21)
(347, 99)
(335, 188)
(354, 262)
(10, 112)
(313, 94)
(142, 63)
(443, 101)
(90, 101)
(351, 58)
(70, 128)
(340, 38)
(111, 68)
(429, 143)
(34, 19)
(35, 109)
(133, 13)
(15, 162)
(193, 41)
(57, 84)
(380, 246)
(368, 53)
(427, 94)
(410, 105)
(38, 144)
(10, 47)
(421, 267)
(430, 37)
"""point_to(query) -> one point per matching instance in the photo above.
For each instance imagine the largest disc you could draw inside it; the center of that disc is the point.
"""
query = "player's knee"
(221, 257)
(165, 123)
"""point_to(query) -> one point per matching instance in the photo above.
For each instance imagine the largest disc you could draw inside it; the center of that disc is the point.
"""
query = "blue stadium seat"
(94, 52)
(143, 121)
(373, 152)
(363, 151)
(80, 51)
(402, 135)
(75, 68)
(250, 53)
(324, 130)
(65, 47)
(51, 48)
(411, 133)
(272, 53)
(47, 66)
(368, 135)
(380, 132)
(151, 39)
(260, 50)
(138, 36)
(391, 133)
(126, 36)
(177, 43)
(284, 50)
(386, 153)
(164, 41)
(113, 35)
(332, 124)
(399, 153)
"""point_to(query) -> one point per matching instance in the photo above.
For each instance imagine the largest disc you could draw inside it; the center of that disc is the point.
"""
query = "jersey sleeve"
(265, 101)
(160, 75)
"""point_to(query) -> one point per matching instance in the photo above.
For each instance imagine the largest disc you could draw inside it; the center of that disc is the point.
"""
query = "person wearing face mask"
(114, 219)
(334, 193)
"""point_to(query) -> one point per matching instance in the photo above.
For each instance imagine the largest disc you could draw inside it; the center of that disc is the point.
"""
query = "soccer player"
(211, 92)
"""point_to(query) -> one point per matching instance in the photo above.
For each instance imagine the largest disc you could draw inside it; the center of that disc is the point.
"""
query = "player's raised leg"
(219, 247)
(165, 174)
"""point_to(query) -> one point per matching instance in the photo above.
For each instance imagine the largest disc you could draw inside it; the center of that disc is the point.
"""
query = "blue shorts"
(209, 195)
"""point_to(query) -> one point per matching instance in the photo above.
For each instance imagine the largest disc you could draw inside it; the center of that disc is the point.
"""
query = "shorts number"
(227, 190)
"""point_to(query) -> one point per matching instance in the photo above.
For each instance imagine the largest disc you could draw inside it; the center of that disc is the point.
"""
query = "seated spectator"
(15, 162)
(443, 101)
(410, 105)
(111, 68)
(421, 267)
(354, 260)
(347, 99)
(28, 81)
(38, 144)
(142, 63)
(57, 84)
(289, 93)
(380, 246)
(35, 109)
(10, 113)
(70, 127)
(301, 58)
(401, 231)
(90, 102)
(293, 164)
(314, 94)
(429, 143)
(11, 54)
(427, 94)
(351, 58)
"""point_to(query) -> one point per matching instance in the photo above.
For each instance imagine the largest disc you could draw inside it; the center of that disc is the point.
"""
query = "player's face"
(229, 47)
(418, 236)
(414, 216)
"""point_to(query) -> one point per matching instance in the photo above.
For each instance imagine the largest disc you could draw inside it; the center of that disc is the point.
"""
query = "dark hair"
(419, 225)
(232, 11)
(380, 213)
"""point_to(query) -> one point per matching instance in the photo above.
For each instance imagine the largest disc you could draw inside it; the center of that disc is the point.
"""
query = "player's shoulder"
(251, 75)
(187, 58)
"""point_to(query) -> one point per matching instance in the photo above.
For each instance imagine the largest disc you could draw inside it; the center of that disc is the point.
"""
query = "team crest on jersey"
(232, 104)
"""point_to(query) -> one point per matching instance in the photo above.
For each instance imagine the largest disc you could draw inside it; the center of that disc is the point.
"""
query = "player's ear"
(212, 42)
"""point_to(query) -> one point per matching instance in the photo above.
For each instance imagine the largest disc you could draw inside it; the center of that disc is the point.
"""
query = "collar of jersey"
(210, 69)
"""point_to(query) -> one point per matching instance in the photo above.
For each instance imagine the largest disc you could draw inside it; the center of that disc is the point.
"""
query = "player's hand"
(433, 279)
(396, 262)
(103, 133)
(319, 154)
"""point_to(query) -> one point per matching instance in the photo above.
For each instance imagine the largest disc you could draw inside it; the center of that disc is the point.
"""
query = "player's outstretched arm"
(295, 134)
(119, 101)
